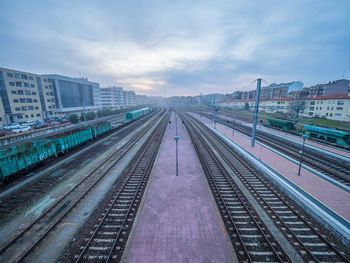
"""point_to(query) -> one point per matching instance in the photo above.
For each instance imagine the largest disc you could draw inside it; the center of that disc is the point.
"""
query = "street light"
(176, 138)
(304, 136)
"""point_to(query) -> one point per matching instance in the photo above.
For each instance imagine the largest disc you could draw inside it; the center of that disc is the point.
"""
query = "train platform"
(323, 195)
(178, 220)
(310, 143)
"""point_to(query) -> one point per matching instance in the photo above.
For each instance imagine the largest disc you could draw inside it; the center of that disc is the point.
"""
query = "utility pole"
(200, 107)
(256, 110)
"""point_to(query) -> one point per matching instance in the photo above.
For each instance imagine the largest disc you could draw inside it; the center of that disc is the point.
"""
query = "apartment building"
(25, 96)
(73, 95)
(129, 98)
(112, 97)
(333, 107)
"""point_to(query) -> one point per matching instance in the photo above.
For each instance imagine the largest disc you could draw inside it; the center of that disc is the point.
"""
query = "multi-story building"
(112, 97)
(129, 98)
(25, 96)
(73, 95)
(333, 107)
(280, 90)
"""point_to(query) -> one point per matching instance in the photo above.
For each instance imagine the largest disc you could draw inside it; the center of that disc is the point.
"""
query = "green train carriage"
(329, 135)
(279, 124)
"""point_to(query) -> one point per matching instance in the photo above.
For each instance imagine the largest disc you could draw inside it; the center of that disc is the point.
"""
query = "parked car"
(53, 123)
(12, 126)
(28, 123)
(23, 128)
(4, 132)
(40, 125)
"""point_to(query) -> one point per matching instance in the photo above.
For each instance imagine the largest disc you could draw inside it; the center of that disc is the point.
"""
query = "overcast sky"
(186, 46)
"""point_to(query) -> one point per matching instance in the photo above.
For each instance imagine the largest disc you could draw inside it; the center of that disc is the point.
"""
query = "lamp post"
(176, 138)
(216, 115)
(304, 136)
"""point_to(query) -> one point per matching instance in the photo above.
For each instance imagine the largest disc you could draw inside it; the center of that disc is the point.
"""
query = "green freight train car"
(101, 128)
(25, 157)
(283, 125)
(133, 115)
(329, 135)
(21, 157)
(67, 140)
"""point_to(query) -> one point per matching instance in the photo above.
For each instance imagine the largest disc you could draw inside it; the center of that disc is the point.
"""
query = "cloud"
(187, 46)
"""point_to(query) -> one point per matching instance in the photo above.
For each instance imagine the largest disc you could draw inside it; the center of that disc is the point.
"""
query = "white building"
(112, 97)
(129, 98)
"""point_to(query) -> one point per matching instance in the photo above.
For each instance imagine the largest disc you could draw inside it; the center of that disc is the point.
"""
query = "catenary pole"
(256, 110)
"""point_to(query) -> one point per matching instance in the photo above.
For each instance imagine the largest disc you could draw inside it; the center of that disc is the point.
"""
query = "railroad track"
(307, 239)
(34, 189)
(24, 242)
(108, 237)
(338, 170)
(252, 240)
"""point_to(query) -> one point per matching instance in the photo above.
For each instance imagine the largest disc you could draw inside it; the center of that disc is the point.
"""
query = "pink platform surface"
(179, 221)
(328, 194)
(294, 137)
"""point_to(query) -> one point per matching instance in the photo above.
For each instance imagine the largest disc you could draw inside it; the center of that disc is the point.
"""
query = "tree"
(91, 115)
(73, 118)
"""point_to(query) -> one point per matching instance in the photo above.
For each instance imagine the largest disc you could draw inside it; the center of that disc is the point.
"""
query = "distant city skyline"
(187, 46)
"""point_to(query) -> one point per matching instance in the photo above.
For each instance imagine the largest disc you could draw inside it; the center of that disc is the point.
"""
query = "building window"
(25, 84)
(17, 76)
(311, 113)
(15, 100)
(35, 100)
(29, 100)
(316, 108)
(339, 108)
(318, 102)
(45, 80)
(32, 115)
(320, 108)
(331, 114)
(26, 116)
(340, 102)
(18, 84)
(327, 108)
(27, 92)
(19, 116)
(9, 74)
(30, 107)
(32, 85)
(24, 108)
(13, 92)
(21, 100)
(312, 103)
(12, 83)
(326, 113)
(332, 108)
(36, 107)
(30, 77)
(38, 114)
(311, 108)
(337, 115)
(17, 109)
(24, 76)
(20, 92)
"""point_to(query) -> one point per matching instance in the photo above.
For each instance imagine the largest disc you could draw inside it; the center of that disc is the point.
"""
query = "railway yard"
(161, 185)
